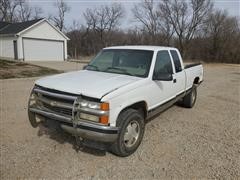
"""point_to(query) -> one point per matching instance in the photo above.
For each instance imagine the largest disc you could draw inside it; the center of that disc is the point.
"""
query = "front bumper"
(63, 108)
(83, 129)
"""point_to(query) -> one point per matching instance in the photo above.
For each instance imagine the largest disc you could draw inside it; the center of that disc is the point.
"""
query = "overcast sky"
(79, 6)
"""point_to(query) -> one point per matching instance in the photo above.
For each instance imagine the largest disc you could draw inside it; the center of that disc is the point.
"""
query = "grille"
(58, 99)
(51, 103)
(59, 110)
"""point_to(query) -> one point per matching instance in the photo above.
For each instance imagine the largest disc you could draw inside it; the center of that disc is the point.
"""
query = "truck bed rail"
(192, 65)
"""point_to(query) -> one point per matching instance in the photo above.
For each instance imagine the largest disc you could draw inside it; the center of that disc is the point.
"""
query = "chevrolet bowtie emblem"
(53, 103)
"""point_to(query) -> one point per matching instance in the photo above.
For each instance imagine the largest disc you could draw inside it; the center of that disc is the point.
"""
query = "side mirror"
(162, 76)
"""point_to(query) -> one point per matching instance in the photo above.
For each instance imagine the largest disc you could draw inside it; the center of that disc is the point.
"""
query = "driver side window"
(163, 63)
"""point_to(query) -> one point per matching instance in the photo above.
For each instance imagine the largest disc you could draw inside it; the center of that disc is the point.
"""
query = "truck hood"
(88, 83)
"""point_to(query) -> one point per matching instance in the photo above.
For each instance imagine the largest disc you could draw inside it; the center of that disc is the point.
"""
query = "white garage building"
(35, 40)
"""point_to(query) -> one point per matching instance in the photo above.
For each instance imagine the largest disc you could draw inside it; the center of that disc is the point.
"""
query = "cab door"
(179, 76)
(162, 90)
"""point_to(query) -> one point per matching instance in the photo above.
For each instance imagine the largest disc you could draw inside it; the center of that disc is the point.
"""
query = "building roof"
(14, 28)
(10, 29)
(3, 24)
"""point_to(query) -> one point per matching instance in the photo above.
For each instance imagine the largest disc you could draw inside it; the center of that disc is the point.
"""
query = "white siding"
(42, 50)
(6, 47)
(44, 30)
(20, 48)
(65, 49)
(41, 42)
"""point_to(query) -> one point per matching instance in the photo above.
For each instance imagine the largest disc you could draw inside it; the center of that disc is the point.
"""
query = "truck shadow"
(62, 137)
(53, 131)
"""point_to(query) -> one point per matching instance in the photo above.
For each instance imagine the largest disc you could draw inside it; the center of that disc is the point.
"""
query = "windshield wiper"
(119, 69)
(96, 68)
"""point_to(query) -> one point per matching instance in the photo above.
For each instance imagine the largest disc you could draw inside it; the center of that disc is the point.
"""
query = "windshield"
(122, 61)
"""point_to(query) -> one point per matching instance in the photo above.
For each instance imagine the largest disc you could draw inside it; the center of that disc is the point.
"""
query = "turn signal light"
(105, 106)
(104, 120)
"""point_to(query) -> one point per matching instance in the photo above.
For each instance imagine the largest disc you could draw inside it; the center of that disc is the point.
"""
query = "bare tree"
(62, 9)
(135, 36)
(37, 12)
(165, 28)
(154, 23)
(7, 10)
(18, 11)
(77, 33)
(185, 17)
(223, 36)
(104, 19)
(76, 25)
(24, 11)
(145, 13)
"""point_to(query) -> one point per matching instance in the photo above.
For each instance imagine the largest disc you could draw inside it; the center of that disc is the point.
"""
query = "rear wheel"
(131, 131)
(190, 99)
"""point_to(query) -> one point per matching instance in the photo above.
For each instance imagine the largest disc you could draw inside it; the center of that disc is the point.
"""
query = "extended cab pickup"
(108, 102)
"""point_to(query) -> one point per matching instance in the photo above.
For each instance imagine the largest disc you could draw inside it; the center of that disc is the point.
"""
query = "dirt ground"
(203, 142)
(16, 69)
(63, 65)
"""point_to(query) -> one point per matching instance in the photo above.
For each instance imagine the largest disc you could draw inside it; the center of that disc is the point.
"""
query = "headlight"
(94, 105)
(89, 117)
(90, 104)
(94, 111)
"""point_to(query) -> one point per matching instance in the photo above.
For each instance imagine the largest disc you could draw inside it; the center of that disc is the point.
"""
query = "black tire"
(128, 118)
(32, 119)
(31, 115)
(190, 99)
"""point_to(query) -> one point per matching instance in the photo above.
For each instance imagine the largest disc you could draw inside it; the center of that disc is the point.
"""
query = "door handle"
(174, 80)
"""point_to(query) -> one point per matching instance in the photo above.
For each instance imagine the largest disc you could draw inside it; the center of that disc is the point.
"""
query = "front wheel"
(131, 131)
(190, 99)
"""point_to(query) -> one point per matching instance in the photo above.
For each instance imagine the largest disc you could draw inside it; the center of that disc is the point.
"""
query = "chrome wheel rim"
(131, 134)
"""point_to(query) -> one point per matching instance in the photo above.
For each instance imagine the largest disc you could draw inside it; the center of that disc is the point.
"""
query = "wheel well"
(140, 106)
(196, 80)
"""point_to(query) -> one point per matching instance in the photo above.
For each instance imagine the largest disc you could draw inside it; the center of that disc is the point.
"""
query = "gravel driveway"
(203, 142)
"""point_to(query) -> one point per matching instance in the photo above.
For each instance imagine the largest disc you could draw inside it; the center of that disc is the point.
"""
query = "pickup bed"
(106, 105)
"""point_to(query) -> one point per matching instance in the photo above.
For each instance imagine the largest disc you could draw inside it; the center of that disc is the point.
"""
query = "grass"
(14, 69)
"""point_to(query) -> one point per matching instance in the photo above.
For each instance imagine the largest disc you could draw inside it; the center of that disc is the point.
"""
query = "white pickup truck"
(108, 103)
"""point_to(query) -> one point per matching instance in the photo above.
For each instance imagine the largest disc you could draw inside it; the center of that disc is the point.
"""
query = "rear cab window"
(176, 61)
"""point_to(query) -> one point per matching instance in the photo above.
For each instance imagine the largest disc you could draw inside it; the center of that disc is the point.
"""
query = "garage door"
(43, 50)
